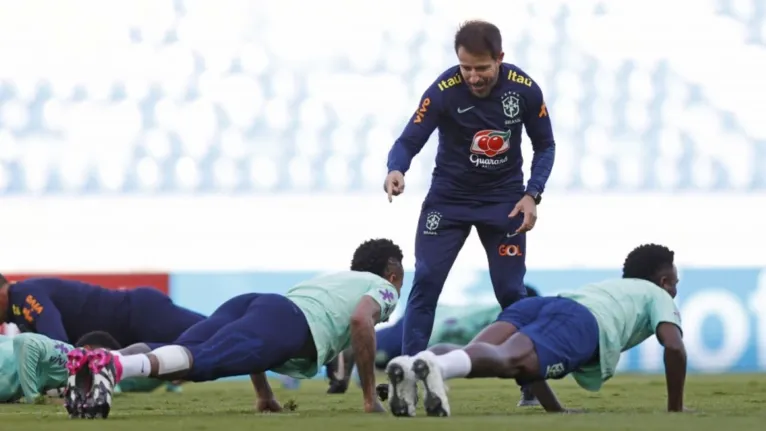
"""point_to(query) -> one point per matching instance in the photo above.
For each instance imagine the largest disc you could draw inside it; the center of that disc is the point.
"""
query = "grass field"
(626, 403)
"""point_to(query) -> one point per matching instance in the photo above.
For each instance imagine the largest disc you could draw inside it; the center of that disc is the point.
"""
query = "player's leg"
(104, 340)
(156, 319)
(562, 337)
(167, 323)
(388, 345)
(440, 236)
(226, 313)
(339, 372)
(495, 334)
(272, 331)
(452, 362)
(506, 254)
(83, 376)
(204, 329)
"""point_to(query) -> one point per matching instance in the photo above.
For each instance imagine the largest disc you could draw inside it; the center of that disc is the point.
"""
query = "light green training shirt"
(328, 302)
(628, 312)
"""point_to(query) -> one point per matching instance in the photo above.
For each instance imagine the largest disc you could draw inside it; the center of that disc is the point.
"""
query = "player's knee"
(170, 360)
(518, 354)
(515, 361)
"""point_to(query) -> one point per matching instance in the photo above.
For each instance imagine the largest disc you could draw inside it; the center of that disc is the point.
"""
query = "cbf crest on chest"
(511, 107)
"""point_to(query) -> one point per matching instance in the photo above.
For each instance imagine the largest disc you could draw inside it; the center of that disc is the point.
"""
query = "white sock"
(454, 364)
(135, 366)
(172, 359)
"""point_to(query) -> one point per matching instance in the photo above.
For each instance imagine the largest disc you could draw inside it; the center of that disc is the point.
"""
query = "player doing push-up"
(249, 334)
(581, 333)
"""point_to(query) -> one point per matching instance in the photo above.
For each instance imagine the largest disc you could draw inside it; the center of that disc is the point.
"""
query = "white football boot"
(402, 386)
(428, 372)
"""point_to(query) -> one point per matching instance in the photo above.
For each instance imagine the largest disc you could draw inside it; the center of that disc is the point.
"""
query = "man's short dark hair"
(479, 38)
(98, 339)
(645, 261)
(3, 280)
(378, 256)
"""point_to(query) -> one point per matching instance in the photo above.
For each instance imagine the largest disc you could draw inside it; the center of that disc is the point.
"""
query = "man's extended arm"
(670, 337)
(540, 131)
(417, 131)
(363, 321)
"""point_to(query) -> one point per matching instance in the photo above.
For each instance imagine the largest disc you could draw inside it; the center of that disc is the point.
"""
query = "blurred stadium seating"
(148, 96)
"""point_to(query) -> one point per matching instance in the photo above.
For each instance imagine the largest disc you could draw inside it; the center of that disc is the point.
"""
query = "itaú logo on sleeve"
(486, 145)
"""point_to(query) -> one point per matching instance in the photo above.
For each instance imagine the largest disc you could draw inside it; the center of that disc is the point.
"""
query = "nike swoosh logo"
(511, 235)
(461, 111)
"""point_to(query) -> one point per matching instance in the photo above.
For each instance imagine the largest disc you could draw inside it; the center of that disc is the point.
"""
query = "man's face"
(479, 71)
(669, 281)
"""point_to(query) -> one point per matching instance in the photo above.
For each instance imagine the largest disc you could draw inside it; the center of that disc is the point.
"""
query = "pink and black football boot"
(106, 371)
(78, 383)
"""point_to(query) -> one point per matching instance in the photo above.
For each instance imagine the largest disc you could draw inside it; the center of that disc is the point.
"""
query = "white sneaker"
(402, 386)
(427, 371)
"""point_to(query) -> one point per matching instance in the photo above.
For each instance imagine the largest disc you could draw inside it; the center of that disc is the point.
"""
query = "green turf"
(626, 403)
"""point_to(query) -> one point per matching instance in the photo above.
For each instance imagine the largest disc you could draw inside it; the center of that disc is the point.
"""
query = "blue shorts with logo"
(564, 332)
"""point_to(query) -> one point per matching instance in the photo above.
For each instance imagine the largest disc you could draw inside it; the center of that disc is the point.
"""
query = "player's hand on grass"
(374, 407)
(528, 207)
(268, 405)
(394, 184)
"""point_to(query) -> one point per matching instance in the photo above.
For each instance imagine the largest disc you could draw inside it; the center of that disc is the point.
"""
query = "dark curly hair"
(645, 261)
(99, 339)
(379, 256)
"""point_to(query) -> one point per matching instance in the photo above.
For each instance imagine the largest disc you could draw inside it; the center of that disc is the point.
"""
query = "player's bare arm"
(28, 357)
(670, 337)
(266, 402)
(546, 397)
(363, 342)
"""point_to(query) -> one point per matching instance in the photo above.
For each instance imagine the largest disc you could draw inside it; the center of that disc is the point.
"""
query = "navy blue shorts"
(564, 332)
(154, 318)
(247, 334)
